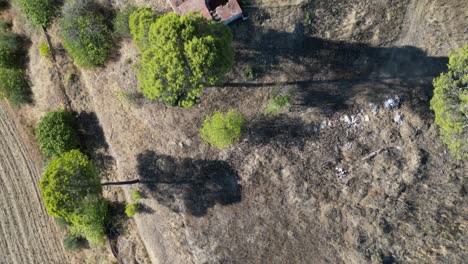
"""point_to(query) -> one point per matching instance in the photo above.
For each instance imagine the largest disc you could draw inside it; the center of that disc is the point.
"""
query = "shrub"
(135, 195)
(57, 134)
(275, 104)
(184, 54)
(221, 130)
(90, 219)
(249, 73)
(131, 209)
(40, 12)
(120, 22)
(85, 34)
(14, 86)
(139, 24)
(73, 242)
(44, 49)
(9, 49)
(450, 103)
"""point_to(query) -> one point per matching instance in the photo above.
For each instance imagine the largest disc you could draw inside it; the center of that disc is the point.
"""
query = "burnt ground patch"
(186, 184)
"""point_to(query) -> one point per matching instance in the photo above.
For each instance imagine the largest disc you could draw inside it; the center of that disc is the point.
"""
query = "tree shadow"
(184, 184)
(281, 130)
(334, 68)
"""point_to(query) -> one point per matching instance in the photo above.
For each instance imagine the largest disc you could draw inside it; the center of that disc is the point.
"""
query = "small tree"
(9, 49)
(40, 12)
(86, 36)
(71, 190)
(13, 85)
(57, 134)
(221, 130)
(184, 54)
(450, 103)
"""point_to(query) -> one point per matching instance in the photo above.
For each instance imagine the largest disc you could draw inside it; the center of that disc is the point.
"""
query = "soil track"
(27, 234)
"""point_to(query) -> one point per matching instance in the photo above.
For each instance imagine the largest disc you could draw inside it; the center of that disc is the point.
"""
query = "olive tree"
(183, 55)
(450, 103)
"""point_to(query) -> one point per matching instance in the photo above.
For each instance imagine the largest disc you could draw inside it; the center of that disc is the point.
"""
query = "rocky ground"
(337, 178)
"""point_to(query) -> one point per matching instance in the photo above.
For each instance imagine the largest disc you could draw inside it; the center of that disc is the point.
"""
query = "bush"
(14, 86)
(139, 24)
(44, 49)
(57, 134)
(73, 242)
(131, 209)
(450, 103)
(40, 12)
(90, 219)
(121, 22)
(221, 130)
(135, 195)
(9, 49)
(85, 34)
(249, 73)
(184, 54)
(275, 104)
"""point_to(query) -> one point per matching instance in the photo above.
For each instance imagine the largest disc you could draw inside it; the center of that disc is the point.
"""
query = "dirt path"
(27, 234)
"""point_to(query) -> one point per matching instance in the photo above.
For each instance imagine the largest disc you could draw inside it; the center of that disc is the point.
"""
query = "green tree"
(221, 130)
(57, 134)
(14, 86)
(9, 49)
(40, 12)
(450, 103)
(139, 24)
(185, 54)
(86, 36)
(71, 190)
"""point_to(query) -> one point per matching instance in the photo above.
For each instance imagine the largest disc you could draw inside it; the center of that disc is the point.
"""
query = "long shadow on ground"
(186, 184)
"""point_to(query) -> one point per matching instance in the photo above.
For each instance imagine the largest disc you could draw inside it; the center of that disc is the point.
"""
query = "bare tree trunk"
(121, 183)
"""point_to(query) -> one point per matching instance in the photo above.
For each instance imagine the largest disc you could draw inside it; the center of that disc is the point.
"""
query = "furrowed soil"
(335, 178)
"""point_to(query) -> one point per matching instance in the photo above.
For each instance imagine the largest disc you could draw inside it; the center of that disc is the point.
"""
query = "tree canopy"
(56, 133)
(450, 103)
(183, 54)
(86, 33)
(71, 189)
(40, 12)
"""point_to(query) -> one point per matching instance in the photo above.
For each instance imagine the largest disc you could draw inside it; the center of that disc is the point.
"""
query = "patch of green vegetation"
(221, 130)
(135, 195)
(73, 242)
(248, 73)
(307, 21)
(275, 104)
(57, 134)
(180, 55)
(121, 21)
(86, 35)
(127, 98)
(40, 12)
(14, 86)
(131, 209)
(44, 49)
(71, 190)
(9, 49)
(450, 103)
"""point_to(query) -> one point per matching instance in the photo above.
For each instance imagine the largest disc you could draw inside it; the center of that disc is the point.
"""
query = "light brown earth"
(27, 234)
(299, 187)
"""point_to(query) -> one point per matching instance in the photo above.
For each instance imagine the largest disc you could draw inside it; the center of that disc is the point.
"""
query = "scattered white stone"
(391, 104)
(398, 118)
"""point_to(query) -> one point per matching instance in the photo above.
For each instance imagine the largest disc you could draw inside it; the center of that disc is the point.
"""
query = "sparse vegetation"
(184, 54)
(221, 130)
(71, 190)
(57, 134)
(121, 21)
(13, 85)
(450, 103)
(275, 104)
(135, 195)
(9, 49)
(86, 35)
(72, 242)
(44, 49)
(131, 209)
(40, 12)
(248, 73)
